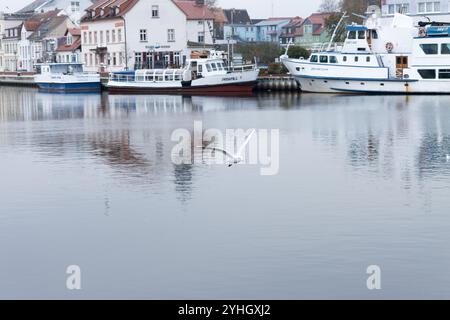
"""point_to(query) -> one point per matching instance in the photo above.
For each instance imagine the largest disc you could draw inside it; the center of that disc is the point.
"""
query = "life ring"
(389, 47)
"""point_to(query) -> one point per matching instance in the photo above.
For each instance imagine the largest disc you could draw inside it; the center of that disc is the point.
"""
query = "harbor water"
(88, 180)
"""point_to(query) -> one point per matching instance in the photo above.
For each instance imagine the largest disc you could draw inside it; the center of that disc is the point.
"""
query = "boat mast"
(335, 30)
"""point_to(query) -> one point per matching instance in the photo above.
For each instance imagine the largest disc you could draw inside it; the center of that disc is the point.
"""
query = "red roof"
(193, 11)
(69, 48)
(106, 9)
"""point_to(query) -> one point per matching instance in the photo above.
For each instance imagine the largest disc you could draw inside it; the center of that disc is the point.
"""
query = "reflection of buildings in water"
(396, 136)
(183, 181)
(23, 104)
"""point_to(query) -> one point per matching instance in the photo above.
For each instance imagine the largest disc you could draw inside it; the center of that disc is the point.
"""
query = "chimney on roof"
(200, 2)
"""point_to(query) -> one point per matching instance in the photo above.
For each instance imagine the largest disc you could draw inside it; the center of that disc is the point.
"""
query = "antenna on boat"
(287, 48)
(335, 31)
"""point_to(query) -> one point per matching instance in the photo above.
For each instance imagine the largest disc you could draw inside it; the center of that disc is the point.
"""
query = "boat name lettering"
(230, 79)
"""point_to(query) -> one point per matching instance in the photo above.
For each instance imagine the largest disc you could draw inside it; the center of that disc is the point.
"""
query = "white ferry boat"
(398, 58)
(208, 75)
(66, 77)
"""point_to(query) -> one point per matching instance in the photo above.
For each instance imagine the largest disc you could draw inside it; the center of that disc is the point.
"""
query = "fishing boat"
(66, 77)
(398, 58)
(203, 75)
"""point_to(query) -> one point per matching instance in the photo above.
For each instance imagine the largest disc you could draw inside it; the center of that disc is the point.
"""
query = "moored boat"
(399, 58)
(66, 77)
(203, 76)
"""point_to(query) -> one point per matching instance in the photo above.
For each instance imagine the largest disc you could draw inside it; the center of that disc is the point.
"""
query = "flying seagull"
(239, 156)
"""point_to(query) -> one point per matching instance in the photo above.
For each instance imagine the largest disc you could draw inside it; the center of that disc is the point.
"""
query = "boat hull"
(69, 87)
(220, 89)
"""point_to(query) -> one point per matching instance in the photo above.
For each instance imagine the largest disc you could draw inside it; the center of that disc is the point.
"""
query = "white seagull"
(239, 156)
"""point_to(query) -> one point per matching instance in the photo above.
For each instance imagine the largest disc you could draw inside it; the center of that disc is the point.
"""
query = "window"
(391, 9)
(429, 48)
(214, 67)
(208, 67)
(444, 74)
(361, 34)
(107, 36)
(155, 11)
(344, 59)
(171, 35)
(352, 35)
(430, 6)
(113, 36)
(90, 37)
(119, 35)
(427, 73)
(114, 60)
(356, 59)
(201, 37)
(75, 6)
(367, 59)
(95, 36)
(143, 35)
(101, 37)
(333, 59)
(323, 59)
(85, 37)
(445, 48)
(314, 58)
(374, 34)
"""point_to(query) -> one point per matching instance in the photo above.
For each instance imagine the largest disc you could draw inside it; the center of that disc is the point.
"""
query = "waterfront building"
(291, 31)
(69, 47)
(74, 9)
(8, 28)
(239, 26)
(313, 32)
(39, 35)
(135, 34)
(9, 48)
(435, 10)
(270, 30)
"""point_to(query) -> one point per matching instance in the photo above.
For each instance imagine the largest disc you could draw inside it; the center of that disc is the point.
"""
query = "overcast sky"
(256, 8)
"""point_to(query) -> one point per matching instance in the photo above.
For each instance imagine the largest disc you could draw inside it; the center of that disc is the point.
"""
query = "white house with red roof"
(133, 34)
(69, 46)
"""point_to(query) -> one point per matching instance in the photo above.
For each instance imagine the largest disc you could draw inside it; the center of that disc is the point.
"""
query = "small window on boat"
(214, 67)
(323, 59)
(361, 34)
(345, 59)
(444, 74)
(314, 58)
(352, 35)
(427, 73)
(333, 59)
(367, 59)
(149, 78)
(219, 66)
(356, 59)
(429, 48)
(200, 68)
(445, 48)
(208, 67)
(374, 34)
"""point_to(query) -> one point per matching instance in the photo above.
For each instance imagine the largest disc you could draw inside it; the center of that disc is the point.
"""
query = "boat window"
(333, 59)
(427, 73)
(367, 59)
(352, 35)
(374, 34)
(356, 59)
(167, 77)
(361, 34)
(214, 67)
(323, 59)
(208, 67)
(200, 68)
(219, 66)
(314, 58)
(149, 78)
(345, 58)
(444, 74)
(429, 48)
(445, 48)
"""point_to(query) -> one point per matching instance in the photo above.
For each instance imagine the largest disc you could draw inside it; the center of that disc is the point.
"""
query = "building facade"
(437, 10)
(239, 26)
(69, 47)
(313, 32)
(133, 34)
(271, 29)
(290, 31)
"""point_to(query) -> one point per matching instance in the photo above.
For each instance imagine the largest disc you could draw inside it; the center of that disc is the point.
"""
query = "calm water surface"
(88, 180)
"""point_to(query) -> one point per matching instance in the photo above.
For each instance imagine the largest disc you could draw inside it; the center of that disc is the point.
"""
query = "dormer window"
(69, 40)
(102, 12)
(117, 10)
(92, 13)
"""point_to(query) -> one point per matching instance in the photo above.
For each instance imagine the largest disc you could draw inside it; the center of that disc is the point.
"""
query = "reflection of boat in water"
(203, 75)
(66, 77)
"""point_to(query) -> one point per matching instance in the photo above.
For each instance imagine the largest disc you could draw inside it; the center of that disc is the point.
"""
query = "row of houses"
(114, 35)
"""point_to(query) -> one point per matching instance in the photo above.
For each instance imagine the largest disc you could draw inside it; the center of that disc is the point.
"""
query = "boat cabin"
(59, 68)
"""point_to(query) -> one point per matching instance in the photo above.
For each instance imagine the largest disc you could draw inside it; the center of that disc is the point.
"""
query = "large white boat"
(66, 77)
(206, 75)
(379, 58)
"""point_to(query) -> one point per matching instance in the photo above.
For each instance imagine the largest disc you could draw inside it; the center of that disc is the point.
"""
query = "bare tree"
(330, 6)
(211, 3)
